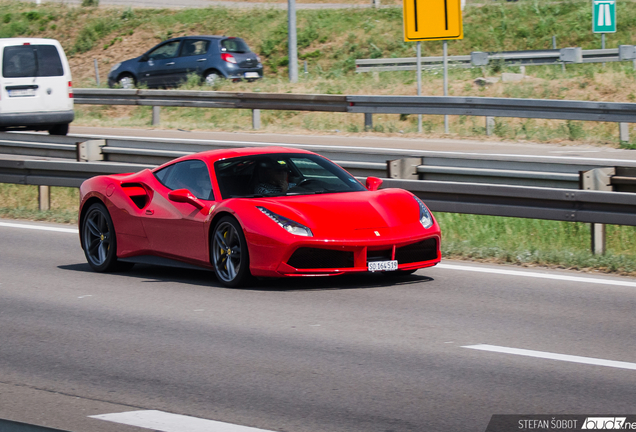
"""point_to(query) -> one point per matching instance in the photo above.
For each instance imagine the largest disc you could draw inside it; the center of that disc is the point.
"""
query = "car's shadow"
(152, 273)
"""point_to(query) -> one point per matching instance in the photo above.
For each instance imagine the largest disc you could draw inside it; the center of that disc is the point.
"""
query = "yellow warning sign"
(432, 20)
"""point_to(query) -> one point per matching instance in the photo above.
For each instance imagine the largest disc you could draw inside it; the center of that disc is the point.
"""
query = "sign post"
(426, 20)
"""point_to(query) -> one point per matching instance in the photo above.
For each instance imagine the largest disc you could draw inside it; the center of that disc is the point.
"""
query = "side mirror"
(373, 183)
(185, 196)
(144, 58)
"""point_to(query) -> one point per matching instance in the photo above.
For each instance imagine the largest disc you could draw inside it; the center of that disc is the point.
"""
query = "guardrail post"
(623, 129)
(256, 119)
(490, 125)
(368, 121)
(598, 179)
(156, 115)
(44, 198)
(96, 72)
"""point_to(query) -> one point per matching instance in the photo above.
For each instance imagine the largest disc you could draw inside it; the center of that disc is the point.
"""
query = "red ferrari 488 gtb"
(263, 212)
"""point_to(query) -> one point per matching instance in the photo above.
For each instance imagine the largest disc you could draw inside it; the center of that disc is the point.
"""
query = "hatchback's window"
(193, 47)
(282, 174)
(234, 45)
(24, 61)
(192, 175)
(165, 51)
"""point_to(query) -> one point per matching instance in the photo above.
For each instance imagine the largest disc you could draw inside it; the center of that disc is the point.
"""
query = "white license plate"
(383, 266)
(21, 92)
(251, 74)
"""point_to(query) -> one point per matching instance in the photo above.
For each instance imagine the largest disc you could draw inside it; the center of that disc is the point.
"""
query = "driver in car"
(272, 176)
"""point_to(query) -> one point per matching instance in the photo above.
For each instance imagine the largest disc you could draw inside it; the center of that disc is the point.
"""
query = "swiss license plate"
(382, 266)
(21, 92)
(251, 74)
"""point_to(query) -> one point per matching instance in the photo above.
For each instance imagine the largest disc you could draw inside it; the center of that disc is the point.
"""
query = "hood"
(345, 213)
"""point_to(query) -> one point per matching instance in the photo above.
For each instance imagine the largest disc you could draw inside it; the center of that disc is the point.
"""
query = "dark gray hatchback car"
(169, 63)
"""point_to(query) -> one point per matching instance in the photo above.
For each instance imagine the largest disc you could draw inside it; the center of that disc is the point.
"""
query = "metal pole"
(256, 119)
(554, 42)
(156, 115)
(291, 41)
(44, 198)
(446, 82)
(603, 44)
(96, 72)
(419, 82)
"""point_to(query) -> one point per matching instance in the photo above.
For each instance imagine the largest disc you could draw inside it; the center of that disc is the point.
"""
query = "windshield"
(282, 175)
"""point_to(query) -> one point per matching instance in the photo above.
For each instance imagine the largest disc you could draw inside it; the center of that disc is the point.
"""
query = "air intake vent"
(422, 251)
(314, 258)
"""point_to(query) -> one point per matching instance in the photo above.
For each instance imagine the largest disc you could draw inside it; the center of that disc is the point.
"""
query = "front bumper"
(312, 257)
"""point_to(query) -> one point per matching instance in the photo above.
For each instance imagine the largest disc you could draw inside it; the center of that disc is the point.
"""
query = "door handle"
(150, 212)
(169, 64)
(200, 60)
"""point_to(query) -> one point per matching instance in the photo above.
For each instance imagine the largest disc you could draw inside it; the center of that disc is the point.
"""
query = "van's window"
(23, 61)
(234, 45)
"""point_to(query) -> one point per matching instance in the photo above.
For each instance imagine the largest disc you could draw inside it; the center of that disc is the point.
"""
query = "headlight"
(426, 218)
(287, 224)
(114, 68)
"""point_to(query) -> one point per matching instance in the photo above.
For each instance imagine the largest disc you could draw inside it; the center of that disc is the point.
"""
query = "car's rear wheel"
(99, 240)
(230, 256)
(212, 78)
(126, 81)
(59, 129)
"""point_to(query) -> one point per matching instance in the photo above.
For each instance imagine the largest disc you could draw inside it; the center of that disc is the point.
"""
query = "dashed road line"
(554, 356)
(168, 422)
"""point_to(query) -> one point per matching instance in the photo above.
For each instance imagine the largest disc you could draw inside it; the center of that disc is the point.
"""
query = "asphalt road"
(364, 354)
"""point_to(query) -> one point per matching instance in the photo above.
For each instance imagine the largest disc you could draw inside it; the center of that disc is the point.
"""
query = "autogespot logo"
(608, 423)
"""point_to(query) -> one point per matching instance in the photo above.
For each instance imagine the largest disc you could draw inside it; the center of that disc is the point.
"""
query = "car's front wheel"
(230, 256)
(126, 81)
(99, 240)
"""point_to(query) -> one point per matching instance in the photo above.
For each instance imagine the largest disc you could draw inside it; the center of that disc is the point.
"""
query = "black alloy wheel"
(99, 241)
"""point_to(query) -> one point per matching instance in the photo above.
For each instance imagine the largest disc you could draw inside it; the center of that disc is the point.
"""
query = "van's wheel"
(60, 129)
(126, 81)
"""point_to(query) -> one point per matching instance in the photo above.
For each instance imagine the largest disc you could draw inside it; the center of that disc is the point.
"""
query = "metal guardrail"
(509, 58)
(405, 164)
(495, 107)
(210, 99)
(474, 198)
(622, 113)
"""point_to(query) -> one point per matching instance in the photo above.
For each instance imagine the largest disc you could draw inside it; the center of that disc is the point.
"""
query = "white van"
(35, 86)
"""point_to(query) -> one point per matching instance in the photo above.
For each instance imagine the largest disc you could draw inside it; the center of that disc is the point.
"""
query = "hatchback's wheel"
(126, 82)
(229, 253)
(99, 240)
(212, 78)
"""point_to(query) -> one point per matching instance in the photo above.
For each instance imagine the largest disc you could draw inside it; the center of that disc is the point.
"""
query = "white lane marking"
(554, 356)
(167, 422)
(590, 280)
(40, 227)
(309, 146)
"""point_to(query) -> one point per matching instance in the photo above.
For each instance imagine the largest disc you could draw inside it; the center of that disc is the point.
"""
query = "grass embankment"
(482, 238)
(330, 41)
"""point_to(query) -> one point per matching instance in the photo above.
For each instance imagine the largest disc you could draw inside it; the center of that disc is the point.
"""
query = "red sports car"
(255, 212)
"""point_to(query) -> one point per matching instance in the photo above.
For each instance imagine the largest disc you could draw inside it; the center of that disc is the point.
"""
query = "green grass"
(535, 242)
(486, 238)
